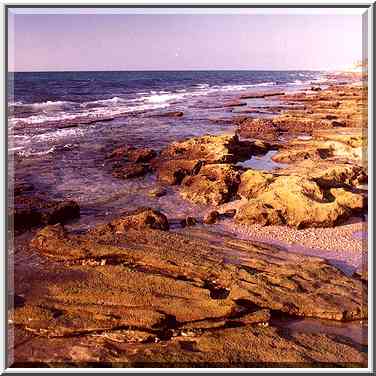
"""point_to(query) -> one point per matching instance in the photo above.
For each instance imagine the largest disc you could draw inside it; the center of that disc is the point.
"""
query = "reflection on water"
(356, 331)
(262, 162)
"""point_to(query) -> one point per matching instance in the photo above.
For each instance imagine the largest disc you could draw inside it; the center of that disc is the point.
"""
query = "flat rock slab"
(152, 268)
(333, 108)
(142, 289)
(249, 346)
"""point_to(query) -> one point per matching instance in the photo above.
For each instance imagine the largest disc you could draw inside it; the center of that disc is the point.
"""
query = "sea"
(61, 125)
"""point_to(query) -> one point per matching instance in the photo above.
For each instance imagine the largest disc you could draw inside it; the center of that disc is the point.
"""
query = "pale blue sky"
(45, 42)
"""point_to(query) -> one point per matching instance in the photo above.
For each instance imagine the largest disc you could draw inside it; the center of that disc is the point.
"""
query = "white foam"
(63, 112)
(58, 134)
(160, 98)
(24, 153)
(202, 86)
(85, 116)
(105, 102)
(271, 83)
(297, 82)
(17, 103)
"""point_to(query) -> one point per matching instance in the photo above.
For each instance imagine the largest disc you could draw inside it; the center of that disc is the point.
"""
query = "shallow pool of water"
(262, 162)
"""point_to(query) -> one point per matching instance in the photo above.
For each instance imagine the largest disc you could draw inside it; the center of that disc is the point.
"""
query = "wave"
(87, 116)
(76, 113)
(202, 86)
(297, 82)
(19, 108)
(161, 98)
(104, 102)
(17, 103)
(270, 83)
(57, 135)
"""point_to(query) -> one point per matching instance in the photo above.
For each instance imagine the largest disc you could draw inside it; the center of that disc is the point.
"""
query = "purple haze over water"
(74, 42)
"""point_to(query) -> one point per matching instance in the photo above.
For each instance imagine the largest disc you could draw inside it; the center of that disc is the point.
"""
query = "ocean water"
(62, 124)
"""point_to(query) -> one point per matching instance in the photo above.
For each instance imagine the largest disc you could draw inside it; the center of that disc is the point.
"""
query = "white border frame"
(370, 53)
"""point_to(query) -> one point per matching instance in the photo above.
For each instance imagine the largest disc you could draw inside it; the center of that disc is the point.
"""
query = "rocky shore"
(137, 291)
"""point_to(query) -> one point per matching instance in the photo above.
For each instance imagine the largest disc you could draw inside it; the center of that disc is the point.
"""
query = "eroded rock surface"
(128, 162)
(328, 174)
(214, 184)
(34, 210)
(337, 106)
(172, 172)
(130, 170)
(294, 200)
(211, 149)
(131, 154)
(135, 286)
(130, 293)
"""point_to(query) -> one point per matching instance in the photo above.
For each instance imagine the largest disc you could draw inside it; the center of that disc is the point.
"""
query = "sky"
(84, 42)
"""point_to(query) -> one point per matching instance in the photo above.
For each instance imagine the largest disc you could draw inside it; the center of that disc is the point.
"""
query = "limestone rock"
(172, 172)
(30, 211)
(130, 170)
(211, 149)
(214, 184)
(300, 203)
(258, 128)
(211, 218)
(131, 154)
(253, 182)
(257, 212)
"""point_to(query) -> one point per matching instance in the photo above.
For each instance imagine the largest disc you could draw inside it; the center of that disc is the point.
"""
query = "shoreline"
(126, 283)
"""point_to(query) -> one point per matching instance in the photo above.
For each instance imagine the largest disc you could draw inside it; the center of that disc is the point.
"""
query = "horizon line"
(176, 70)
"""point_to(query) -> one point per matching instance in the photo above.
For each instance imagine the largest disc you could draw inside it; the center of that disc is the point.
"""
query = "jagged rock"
(157, 192)
(252, 182)
(258, 212)
(258, 316)
(177, 297)
(258, 128)
(211, 218)
(298, 202)
(354, 137)
(30, 211)
(328, 174)
(214, 184)
(189, 221)
(53, 240)
(140, 218)
(131, 154)
(301, 153)
(211, 149)
(354, 201)
(130, 170)
(316, 149)
(172, 172)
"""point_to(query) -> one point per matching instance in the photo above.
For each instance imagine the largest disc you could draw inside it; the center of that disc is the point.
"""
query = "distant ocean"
(62, 124)
(80, 96)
